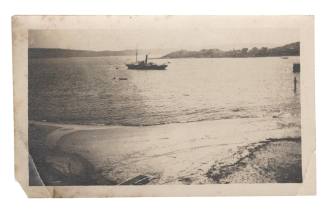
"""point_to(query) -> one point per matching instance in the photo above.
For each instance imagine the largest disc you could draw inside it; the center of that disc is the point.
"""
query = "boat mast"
(136, 55)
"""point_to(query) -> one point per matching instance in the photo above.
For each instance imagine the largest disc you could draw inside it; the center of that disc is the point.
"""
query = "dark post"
(296, 67)
(294, 84)
(146, 59)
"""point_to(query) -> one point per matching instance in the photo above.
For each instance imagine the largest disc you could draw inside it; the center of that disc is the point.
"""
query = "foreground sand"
(227, 151)
(271, 161)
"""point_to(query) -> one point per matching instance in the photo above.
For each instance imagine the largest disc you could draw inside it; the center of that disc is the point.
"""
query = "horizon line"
(234, 48)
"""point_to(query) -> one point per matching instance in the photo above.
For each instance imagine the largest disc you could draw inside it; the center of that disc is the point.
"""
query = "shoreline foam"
(259, 164)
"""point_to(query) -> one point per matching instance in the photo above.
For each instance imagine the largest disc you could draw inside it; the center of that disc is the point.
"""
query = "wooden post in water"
(295, 84)
(296, 67)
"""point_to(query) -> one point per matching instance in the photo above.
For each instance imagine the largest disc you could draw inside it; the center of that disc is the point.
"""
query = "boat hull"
(146, 67)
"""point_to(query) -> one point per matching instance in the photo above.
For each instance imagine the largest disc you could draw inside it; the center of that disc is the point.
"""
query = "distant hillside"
(292, 49)
(48, 53)
(53, 53)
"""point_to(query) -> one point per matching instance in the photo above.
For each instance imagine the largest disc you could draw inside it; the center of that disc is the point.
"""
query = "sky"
(161, 32)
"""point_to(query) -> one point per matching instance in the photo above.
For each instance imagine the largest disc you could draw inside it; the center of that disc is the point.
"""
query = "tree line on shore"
(292, 49)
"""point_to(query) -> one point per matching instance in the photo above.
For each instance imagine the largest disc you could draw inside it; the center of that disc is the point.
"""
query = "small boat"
(145, 65)
(284, 57)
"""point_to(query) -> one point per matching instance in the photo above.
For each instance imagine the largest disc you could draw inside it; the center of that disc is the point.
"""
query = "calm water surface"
(89, 91)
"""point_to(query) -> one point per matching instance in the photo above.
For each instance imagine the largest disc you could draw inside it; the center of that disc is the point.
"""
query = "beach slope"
(206, 152)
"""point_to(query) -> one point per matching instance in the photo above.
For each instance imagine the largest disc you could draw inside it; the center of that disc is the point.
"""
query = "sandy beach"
(221, 151)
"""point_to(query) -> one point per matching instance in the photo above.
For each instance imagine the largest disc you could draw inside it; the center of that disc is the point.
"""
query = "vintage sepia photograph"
(166, 100)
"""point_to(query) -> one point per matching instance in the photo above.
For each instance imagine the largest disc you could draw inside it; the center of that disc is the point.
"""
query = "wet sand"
(225, 151)
(271, 161)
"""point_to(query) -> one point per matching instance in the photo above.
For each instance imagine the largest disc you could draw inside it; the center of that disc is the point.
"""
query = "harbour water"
(100, 90)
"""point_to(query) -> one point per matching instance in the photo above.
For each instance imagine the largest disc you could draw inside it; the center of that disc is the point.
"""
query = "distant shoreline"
(224, 57)
(161, 58)
(292, 49)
